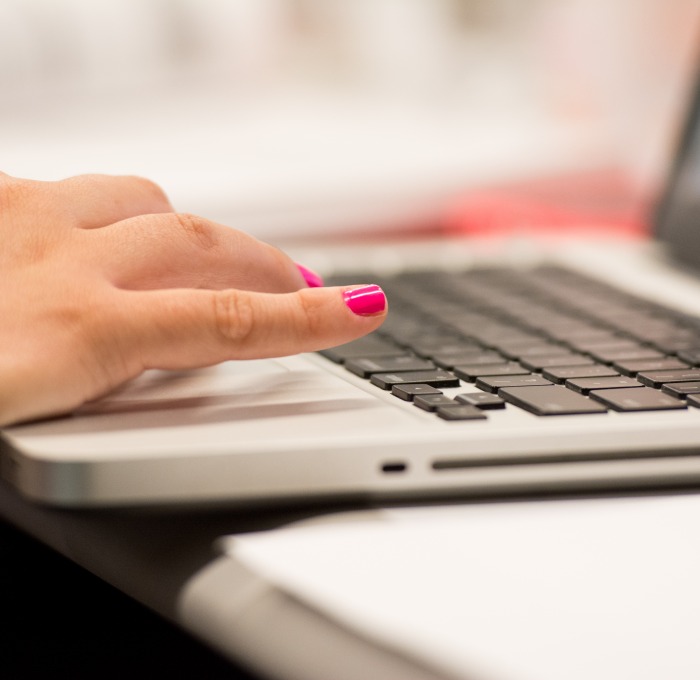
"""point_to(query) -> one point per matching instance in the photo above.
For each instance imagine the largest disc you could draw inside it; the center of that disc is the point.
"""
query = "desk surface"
(59, 620)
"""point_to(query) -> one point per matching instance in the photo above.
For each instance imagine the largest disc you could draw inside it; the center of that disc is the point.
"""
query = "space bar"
(550, 401)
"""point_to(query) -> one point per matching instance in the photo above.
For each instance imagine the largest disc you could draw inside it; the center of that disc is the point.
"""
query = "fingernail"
(366, 300)
(313, 280)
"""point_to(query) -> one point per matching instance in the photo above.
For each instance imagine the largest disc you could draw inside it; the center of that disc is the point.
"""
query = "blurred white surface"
(279, 116)
(290, 161)
(568, 589)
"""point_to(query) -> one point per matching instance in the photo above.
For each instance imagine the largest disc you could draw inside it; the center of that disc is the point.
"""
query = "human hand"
(101, 280)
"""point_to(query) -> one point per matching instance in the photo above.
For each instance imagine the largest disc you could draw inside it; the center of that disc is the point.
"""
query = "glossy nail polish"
(366, 300)
(313, 280)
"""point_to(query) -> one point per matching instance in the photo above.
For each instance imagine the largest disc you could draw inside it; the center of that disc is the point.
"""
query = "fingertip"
(367, 300)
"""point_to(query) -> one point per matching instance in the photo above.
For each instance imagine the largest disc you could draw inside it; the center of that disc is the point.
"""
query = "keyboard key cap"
(691, 355)
(679, 345)
(436, 378)
(637, 399)
(634, 366)
(550, 401)
(609, 356)
(495, 383)
(608, 341)
(659, 378)
(410, 391)
(471, 358)
(569, 359)
(431, 402)
(482, 400)
(564, 373)
(660, 333)
(471, 373)
(366, 367)
(693, 400)
(460, 412)
(681, 389)
(504, 335)
(531, 350)
(585, 385)
(429, 348)
(368, 346)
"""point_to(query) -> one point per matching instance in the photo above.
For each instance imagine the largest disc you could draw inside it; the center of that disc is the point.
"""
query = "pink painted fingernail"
(366, 300)
(313, 280)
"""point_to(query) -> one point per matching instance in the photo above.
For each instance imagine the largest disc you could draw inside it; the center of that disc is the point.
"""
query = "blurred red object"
(604, 202)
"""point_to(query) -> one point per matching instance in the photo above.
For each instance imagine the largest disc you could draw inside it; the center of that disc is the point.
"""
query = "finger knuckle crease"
(197, 230)
(234, 317)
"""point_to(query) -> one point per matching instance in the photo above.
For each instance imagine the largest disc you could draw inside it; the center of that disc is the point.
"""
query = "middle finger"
(185, 251)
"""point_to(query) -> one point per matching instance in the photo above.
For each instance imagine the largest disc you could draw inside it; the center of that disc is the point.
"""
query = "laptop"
(524, 368)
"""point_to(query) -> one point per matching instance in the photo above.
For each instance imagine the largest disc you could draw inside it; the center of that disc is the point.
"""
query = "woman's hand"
(100, 280)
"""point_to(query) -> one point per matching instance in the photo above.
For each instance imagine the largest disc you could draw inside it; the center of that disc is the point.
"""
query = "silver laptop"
(523, 368)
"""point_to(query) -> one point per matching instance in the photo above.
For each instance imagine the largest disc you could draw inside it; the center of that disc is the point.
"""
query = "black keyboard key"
(431, 402)
(659, 378)
(468, 358)
(693, 400)
(531, 350)
(436, 378)
(564, 373)
(585, 385)
(637, 399)
(691, 355)
(412, 390)
(460, 412)
(662, 332)
(634, 366)
(585, 338)
(550, 401)
(492, 336)
(366, 367)
(367, 346)
(680, 345)
(483, 400)
(681, 389)
(568, 359)
(607, 341)
(472, 373)
(495, 383)
(429, 348)
(609, 356)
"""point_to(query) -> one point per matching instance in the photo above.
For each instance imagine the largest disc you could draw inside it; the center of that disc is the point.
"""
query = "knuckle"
(14, 191)
(154, 190)
(234, 317)
(197, 231)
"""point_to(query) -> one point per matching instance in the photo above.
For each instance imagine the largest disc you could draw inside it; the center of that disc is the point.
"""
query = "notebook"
(525, 368)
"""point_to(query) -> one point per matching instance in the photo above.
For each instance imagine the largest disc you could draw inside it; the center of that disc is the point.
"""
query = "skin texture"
(100, 280)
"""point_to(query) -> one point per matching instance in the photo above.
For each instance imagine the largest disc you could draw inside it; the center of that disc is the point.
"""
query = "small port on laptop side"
(394, 466)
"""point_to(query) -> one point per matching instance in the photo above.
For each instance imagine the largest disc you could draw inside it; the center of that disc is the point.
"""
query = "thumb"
(178, 329)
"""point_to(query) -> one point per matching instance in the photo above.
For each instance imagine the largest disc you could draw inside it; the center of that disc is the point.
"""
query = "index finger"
(181, 329)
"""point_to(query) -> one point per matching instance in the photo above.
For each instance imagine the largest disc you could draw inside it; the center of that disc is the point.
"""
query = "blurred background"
(312, 117)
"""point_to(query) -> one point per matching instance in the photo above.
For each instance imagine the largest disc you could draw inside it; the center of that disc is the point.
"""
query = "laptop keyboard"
(548, 340)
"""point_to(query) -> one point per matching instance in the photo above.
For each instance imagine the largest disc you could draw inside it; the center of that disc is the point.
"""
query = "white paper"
(559, 590)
